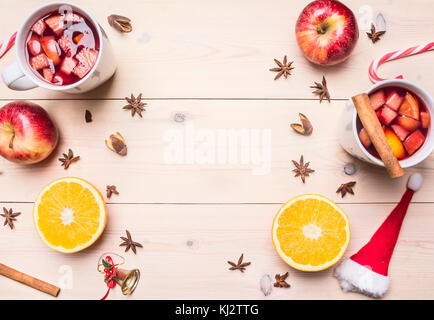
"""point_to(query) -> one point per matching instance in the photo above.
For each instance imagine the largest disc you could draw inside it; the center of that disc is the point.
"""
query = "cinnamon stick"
(28, 280)
(375, 132)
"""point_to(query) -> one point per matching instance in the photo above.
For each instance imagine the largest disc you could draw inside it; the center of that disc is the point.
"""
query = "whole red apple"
(326, 32)
(27, 134)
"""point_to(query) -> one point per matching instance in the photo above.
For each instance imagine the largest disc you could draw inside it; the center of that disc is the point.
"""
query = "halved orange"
(310, 232)
(69, 214)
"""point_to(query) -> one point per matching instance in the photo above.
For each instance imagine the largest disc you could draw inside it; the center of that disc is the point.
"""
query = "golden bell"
(127, 280)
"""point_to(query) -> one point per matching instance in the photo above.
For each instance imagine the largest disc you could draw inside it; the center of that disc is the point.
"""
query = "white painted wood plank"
(145, 175)
(173, 269)
(208, 49)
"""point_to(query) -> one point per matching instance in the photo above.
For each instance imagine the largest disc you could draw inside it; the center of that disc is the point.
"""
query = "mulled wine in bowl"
(61, 47)
(405, 111)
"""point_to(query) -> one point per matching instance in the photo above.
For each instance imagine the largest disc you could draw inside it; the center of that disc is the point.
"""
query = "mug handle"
(15, 79)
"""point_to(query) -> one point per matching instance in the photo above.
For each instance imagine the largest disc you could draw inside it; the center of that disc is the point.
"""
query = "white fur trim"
(415, 181)
(357, 278)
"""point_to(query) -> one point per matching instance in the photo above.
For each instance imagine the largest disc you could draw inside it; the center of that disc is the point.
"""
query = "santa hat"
(366, 271)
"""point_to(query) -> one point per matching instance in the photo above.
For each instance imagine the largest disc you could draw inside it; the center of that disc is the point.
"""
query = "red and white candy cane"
(395, 55)
(6, 45)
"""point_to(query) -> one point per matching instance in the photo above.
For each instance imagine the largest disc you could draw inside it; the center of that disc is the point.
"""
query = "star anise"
(10, 217)
(302, 170)
(280, 281)
(346, 187)
(375, 35)
(111, 190)
(321, 90)
(284, 68)
(129, 243)
(135, 105)
(240, 265)
(68, 159)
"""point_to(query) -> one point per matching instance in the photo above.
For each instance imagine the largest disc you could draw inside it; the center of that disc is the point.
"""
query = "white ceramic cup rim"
(23, 32)
(428, 145)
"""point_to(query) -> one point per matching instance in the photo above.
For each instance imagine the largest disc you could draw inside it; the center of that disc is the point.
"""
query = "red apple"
(27, 134)
(326, 32)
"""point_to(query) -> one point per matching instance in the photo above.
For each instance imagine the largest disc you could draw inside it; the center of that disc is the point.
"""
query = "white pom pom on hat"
(415, 181)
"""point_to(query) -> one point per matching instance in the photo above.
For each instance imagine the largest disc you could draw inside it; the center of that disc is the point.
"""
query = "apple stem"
(322, 28)
(11, 143)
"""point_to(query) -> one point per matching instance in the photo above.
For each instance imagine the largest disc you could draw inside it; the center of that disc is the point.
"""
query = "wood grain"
(186, 248)
(209, 49)
(144, 175)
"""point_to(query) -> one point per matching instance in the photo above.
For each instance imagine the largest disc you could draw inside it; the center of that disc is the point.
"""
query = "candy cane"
(6, 45)
(395, 55)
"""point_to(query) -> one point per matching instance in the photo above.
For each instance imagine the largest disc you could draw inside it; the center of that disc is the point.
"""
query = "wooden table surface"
(207, 62)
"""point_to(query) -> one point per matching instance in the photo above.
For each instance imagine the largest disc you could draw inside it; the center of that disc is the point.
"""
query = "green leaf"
(106, 265)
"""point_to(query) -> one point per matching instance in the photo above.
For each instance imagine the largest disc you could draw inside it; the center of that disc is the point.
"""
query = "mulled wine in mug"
(405, 110)
(60, 46)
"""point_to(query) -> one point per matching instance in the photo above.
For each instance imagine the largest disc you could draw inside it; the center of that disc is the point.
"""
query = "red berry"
(111, 283)
(106, 270)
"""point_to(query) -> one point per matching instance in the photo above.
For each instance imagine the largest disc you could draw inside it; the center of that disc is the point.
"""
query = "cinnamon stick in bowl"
(376, 133)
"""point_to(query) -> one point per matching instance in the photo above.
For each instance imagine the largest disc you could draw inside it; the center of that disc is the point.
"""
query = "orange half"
(69, 214)
(310, 232)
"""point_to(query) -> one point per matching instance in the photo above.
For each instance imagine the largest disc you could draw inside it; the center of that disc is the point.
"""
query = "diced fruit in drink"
(400, 131)
(408, 124)
(394, 100)
(87, 57)
(378, 99)
(395, 143)
(39, 62)
(414, 142)
(409, 107)
(364, 138)
(51, 49)
(64, 43)
(34, 45)
(387, 116)
(39, 27)
(404, 118)
(72, 17)
(378, 112)
(58, 79)
(425, 119)
(80, 70)
(55, 23)
(48, 74)
(68, 64)
(77, 38)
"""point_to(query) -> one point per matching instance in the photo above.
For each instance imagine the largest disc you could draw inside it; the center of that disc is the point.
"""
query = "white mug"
(19, 75)
(349, 137)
